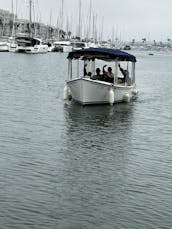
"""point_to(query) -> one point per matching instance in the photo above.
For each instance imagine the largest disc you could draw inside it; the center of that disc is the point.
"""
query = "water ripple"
(68, 166)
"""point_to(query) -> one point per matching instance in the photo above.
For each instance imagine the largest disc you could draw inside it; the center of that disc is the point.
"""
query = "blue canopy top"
(102, 54)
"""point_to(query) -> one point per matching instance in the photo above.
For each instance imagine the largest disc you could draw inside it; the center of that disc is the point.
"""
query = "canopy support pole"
(69, 69)
(78, 68)
(133, 72)
(116, 72)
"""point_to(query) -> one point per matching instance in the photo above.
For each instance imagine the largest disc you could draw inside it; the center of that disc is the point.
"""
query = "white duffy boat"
(88, 88)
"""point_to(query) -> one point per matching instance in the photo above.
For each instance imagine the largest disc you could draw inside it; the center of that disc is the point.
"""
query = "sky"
(113, 19)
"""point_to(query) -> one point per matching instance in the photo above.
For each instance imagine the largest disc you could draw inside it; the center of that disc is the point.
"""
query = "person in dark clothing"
(97, 76)
(125, 74)
(85, 70)
(108, 75)
(103, 70)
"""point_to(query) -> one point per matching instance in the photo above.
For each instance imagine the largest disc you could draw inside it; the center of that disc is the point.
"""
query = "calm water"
(70, 167)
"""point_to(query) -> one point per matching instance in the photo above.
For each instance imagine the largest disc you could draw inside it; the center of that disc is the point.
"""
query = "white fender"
(66, 93)
(126, 97)
(134, 92)
(111, 96)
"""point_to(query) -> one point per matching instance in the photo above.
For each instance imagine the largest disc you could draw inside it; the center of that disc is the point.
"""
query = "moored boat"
(4, 44)
(77, 45)
(26, 44)
(87, 88)
(61, 46)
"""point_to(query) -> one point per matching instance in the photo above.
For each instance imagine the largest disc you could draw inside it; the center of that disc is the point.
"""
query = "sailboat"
(27, 43)
(4, 43)
(61, 44)
(12, 40)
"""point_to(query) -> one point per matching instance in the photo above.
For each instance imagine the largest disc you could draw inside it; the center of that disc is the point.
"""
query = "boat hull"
(4, 47)
(37, 49)
(63, 48)
(87, 91)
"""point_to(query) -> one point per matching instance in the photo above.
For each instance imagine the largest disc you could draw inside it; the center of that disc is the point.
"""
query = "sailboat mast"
(13, 34)
(30, 11)
(89, 24)
(12, 10)
(62, 6)
(30, 17)
(12, 7)
(60, 21)
(101, 37)
(79, 26)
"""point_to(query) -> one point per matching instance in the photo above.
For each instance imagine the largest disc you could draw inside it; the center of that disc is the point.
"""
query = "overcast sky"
(126, 19)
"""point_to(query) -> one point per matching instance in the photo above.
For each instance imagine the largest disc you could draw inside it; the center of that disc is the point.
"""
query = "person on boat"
(89, 74)
(108, 75)
(86, 74)
(97, 76)
(125, 74)
(85, 70)
(103, 70)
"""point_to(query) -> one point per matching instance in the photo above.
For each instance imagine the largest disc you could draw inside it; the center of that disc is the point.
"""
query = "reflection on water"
(100, 125)
(95, 159)
(99, 116)
(98, 136)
